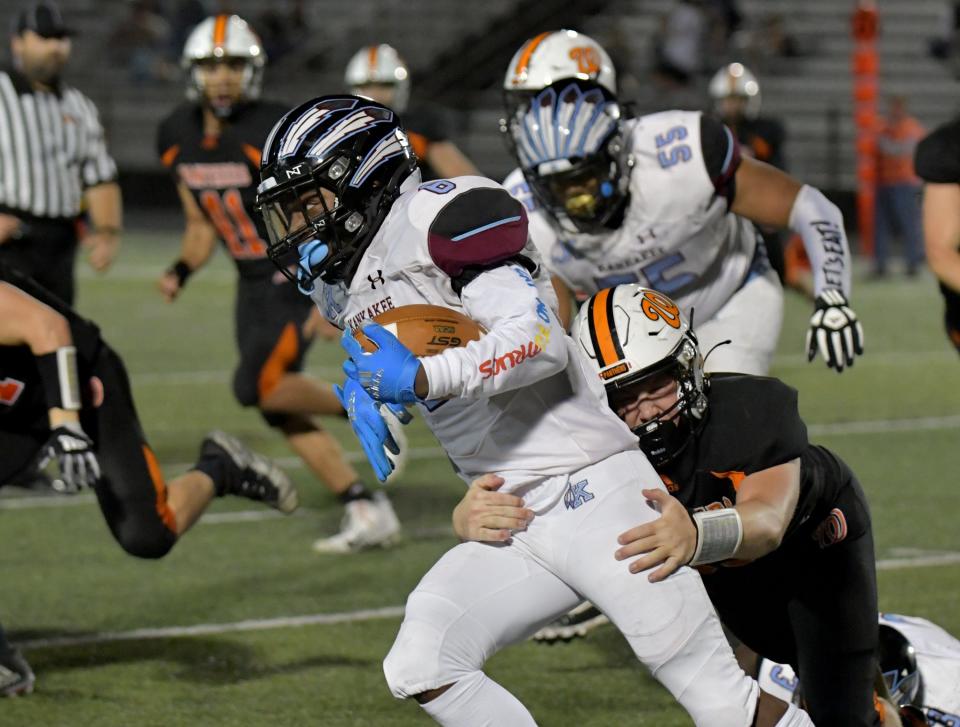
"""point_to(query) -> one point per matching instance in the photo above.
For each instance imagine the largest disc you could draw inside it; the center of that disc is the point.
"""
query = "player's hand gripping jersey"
(462, 244)
(677, 235)
(221, 172)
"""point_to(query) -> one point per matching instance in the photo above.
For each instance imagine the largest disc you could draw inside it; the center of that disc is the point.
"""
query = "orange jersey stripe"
(220, 30)
(170, 155)
(524, 60)
(164, 510)
(419, 144)
(284, 353)
(253, 154)
(734, 476)
(606, 348)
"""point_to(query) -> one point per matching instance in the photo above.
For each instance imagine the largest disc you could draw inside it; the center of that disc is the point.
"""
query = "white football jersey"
(677, 235)
(938, 658)
(517, 402)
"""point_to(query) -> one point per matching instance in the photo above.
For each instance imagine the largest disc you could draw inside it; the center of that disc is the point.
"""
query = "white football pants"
(751, 320)
(481, 597)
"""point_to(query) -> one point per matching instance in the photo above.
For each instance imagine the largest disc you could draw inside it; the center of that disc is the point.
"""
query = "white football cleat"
(366, 524)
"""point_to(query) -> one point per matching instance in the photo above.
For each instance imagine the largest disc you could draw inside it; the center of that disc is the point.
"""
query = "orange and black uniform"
(937, 160)
(131, 493)
(222, 173)
(425, 126)
(812, 601)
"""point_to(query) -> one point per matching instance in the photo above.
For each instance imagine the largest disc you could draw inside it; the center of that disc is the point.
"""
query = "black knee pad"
(144, 537)
(245, 388)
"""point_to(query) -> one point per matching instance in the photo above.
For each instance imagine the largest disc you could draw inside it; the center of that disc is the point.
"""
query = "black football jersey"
(937, 157)
(23, 405)
(762, 138)
(222, 173)
(425, 125)
(753, 423)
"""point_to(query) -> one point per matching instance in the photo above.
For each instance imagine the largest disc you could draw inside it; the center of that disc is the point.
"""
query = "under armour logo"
(294, 171)
(376, 280)
(576, 495)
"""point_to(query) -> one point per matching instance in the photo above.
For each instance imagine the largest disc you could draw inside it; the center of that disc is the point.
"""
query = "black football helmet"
(898, 662)
(330, 170)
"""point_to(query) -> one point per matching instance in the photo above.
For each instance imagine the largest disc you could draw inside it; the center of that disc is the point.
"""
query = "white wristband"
(719, 534)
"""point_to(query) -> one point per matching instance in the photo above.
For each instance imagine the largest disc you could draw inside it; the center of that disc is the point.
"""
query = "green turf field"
(895, 418)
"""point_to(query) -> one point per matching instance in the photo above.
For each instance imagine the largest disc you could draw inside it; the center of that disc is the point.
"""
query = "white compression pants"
(480, 597)
(751, 320)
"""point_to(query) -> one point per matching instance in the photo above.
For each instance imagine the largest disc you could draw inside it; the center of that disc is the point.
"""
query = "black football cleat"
(248, 474)
(16, 676)
(575, 624)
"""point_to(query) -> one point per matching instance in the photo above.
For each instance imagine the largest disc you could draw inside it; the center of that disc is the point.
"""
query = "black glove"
(835, 331)
(73, 450)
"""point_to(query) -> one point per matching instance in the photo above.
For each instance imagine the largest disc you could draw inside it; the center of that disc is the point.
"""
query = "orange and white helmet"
(380, 64)
(223, 37)
(633, 337)
(735, 79)
(557, 55)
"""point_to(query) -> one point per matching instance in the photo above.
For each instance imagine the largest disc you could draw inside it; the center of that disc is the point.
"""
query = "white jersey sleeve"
(523, 344)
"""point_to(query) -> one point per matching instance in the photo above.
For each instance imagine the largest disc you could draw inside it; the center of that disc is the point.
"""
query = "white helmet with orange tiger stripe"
(557, 55)
(380, 65)
(223, 37)
(636, 339)
(736, 80)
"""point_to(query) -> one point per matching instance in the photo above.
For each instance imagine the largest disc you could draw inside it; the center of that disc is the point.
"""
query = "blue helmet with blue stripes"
(568, 142)
(330, 170)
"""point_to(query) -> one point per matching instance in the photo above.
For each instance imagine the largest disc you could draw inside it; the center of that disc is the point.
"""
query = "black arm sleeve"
(721, 155)
(937, 158)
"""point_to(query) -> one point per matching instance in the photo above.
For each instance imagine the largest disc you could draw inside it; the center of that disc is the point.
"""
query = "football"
(425, 329)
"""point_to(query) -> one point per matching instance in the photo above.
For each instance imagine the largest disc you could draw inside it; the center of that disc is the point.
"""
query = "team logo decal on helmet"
(568, 143)
(635, 338)
(331, 169)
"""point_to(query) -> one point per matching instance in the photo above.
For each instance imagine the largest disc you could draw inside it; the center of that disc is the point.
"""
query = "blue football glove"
(312, 253)
(389, 374)
(369, 426)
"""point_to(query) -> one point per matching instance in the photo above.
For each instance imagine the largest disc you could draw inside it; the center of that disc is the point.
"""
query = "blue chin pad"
(312, 253)
(606, 189)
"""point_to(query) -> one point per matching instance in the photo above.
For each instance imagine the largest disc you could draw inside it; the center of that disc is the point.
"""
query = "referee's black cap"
(43, 18)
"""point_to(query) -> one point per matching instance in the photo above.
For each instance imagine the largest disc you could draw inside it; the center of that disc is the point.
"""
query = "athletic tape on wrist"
(719, 534)
(61, 385)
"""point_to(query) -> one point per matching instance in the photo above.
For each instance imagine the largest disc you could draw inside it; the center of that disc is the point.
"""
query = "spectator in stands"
(677, 52)
(141, 41)
(898, 187)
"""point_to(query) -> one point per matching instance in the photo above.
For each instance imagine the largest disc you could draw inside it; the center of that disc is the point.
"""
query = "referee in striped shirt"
(53, 160)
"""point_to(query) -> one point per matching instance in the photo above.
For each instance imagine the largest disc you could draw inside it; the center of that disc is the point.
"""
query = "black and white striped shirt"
(52, 147)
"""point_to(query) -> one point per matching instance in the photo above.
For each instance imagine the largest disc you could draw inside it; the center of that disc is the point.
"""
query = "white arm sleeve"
(819, 222)
(524, 343)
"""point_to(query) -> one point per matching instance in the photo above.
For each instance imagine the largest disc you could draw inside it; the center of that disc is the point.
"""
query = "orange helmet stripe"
(524, 60)
(605, 345)
(220, 30)
(372, 59)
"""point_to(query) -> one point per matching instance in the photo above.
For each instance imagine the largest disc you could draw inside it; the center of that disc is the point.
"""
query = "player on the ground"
(937, 163)
(340, 186)
(211, 144)
(920, 663)
(64, 395)
(378, 72)
(667, 201)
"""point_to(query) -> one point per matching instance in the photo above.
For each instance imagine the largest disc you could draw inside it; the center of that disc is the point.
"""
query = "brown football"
(425, 329)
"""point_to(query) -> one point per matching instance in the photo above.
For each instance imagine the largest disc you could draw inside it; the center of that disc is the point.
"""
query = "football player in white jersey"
(920, 662)
(665, 200)
(341, 194)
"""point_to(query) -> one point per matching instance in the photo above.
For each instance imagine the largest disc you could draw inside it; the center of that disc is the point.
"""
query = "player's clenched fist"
(487, 515)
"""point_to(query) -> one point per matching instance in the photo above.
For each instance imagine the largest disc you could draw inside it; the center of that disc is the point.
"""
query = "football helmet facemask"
(569, 144)
(636, 340)
(223, 39)
(331, 168)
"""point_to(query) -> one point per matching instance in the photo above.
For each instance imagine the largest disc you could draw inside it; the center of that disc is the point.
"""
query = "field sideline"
(243, 625)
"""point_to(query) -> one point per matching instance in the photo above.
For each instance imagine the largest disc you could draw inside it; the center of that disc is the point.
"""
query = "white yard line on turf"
(919, 560)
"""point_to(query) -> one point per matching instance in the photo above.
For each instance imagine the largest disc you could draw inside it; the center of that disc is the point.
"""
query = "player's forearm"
(105, 207)
(819, 223)
(197, 244)
(763, 529)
